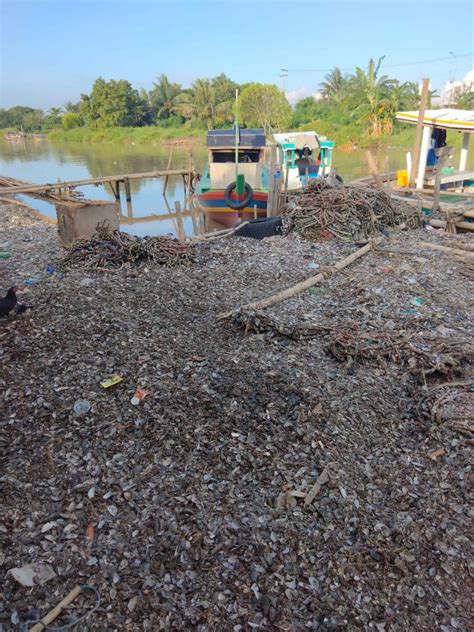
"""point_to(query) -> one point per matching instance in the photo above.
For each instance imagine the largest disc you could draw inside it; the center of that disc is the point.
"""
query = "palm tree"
(373, 93)
(200, 103)
(163, 97)
(334, 87)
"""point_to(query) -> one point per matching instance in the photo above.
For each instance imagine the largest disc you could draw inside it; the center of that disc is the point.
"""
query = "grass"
(125, 135)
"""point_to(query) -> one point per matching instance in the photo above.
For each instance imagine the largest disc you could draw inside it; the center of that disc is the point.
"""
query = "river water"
(152, 213)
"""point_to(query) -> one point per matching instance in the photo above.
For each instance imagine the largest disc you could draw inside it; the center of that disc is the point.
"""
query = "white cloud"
(300, 93)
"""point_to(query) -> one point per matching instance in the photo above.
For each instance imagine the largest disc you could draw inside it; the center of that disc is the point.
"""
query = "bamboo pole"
(55, 612)
(300, 287)
(453, 251)
(419, 129)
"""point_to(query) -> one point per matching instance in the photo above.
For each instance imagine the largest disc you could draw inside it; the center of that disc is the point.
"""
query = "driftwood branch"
(300, 287)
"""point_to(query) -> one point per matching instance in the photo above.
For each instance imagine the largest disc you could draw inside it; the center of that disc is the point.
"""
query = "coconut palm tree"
(163, 97)
(334, 86)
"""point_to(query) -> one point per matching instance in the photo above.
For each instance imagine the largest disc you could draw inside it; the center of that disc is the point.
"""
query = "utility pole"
(283, 76)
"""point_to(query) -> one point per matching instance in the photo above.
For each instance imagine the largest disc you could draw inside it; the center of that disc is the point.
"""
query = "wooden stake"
(179, 221)
(271, 202)
(419, 130)
(373, 169)
(128, 194)
(55, 612)
(300, 287)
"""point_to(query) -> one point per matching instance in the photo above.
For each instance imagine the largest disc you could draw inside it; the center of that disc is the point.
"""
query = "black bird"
(8, 302)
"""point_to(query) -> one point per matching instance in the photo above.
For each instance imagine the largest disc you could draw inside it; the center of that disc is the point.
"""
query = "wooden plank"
(419, 130)
(152, 218)
(441, 152)
(102, 180)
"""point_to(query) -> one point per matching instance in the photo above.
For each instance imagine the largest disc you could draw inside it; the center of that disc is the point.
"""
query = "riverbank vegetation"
(353, 109)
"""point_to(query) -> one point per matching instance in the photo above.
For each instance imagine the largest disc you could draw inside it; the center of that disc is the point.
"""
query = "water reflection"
(150, 212)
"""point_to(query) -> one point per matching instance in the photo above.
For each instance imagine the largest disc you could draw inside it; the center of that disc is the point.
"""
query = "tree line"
(365, 101)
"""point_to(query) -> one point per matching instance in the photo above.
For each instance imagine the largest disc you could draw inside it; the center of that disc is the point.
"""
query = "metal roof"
(447, 118)
(299, 139)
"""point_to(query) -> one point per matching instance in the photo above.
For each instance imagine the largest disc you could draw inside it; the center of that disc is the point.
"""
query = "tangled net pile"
(112, 249)
(450, 404)
(345, 212)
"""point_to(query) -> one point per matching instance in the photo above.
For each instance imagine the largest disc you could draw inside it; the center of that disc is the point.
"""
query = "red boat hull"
(215, 207)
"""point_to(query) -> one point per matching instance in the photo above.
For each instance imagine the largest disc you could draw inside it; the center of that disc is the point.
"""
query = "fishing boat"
(234, 182)
(302, 157)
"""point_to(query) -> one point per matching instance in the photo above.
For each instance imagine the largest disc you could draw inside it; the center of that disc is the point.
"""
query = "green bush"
(70, 120)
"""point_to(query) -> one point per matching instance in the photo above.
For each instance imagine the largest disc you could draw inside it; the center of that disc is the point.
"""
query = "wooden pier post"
(274, 184)
(179, 221)
(128, 194)
(419, 132)
(115, 187)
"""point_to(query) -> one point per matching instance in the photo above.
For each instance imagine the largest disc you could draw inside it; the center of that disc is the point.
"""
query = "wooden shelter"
(448, 119)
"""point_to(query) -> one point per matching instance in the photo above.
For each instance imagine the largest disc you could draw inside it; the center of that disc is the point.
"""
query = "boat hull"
(215, 207)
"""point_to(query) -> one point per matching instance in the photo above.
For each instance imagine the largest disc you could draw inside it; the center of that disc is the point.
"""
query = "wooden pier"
(78, 217)
(60, 188)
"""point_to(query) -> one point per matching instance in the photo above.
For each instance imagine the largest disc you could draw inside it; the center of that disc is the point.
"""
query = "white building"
(451, 89)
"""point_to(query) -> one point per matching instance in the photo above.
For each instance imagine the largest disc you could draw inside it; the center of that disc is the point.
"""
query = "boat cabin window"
(245, 155)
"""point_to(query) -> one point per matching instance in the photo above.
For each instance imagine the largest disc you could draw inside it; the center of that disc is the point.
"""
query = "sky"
(51, 52)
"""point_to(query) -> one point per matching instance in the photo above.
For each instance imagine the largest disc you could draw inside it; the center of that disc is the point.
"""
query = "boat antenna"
(236, 134)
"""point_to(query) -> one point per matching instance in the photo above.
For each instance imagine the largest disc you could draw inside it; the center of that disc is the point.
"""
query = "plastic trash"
(82, 406)
(5, 255)
(313, 266)
(33, 574)
(112, 381)
(417, 300)
(50, 269)
(316, 290)
(139, 396)
(29, 281)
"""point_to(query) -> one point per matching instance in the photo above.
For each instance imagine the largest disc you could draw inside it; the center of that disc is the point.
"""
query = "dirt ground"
(180, 510)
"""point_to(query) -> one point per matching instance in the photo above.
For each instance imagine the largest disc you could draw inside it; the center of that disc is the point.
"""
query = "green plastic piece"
(5, 255)
(240, 188)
